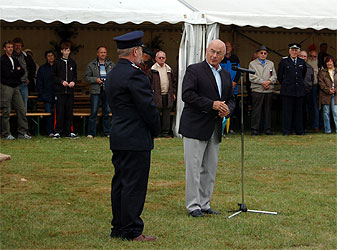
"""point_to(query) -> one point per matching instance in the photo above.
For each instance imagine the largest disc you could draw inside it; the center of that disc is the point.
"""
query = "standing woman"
(327, 79)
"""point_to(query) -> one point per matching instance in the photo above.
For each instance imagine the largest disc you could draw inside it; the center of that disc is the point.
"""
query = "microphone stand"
(242, 205)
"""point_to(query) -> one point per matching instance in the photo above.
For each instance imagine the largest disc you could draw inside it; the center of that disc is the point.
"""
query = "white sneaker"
(90, 136)
(9, 137)
(24, 136)
(56, 136)
(72, 136)
(51, 135)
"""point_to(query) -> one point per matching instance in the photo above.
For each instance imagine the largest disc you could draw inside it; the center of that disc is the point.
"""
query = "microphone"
(236, 68)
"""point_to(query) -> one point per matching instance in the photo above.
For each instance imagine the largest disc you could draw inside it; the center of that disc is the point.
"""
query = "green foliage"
(56, 194)
(66, 33)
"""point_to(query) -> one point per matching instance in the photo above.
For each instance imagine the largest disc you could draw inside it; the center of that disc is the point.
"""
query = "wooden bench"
(81, 107)
(35, 116)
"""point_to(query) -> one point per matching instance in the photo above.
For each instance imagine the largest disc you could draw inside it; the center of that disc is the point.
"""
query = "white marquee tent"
(201, 18)
(287, 13)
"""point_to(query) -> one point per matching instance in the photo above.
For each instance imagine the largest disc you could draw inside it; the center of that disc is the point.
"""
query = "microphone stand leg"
(235, 214)
(243, 208)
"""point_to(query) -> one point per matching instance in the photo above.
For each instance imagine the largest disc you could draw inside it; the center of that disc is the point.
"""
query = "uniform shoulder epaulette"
(285, 57)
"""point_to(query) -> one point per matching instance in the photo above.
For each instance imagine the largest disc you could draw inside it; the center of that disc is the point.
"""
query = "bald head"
(215, 52)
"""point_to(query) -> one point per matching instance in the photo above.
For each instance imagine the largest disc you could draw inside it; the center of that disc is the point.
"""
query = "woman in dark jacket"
(327, 79)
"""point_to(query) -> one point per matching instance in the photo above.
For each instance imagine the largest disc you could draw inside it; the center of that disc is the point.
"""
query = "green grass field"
(56, 194)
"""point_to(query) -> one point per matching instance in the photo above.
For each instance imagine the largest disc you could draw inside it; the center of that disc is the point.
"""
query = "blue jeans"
(49, 108)
(24, 93)
(95, 100)
(315, 118)
(326, 115)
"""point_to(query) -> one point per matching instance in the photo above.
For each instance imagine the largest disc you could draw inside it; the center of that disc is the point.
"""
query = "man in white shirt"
(165, 90)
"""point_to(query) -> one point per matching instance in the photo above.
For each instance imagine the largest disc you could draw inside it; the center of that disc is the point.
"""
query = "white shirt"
(216, 73)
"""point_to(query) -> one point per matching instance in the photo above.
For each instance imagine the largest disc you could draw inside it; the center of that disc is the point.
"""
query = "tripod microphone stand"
(242, 205)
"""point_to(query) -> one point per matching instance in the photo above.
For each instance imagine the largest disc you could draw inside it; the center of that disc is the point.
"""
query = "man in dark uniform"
(291, 72)
(135, 121)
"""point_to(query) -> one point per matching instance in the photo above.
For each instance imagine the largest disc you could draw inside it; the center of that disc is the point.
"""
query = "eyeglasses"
(218, 53)
(313, 56)
(263, 53)
(161, 58)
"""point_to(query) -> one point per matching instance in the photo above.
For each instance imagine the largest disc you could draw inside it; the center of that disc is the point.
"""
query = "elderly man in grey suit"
(208, 96)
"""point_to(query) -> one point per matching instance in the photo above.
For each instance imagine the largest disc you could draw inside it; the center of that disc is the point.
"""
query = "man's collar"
(262, 61)
(212, 67)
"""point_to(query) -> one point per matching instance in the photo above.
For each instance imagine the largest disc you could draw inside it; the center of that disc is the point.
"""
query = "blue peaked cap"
(129, 40)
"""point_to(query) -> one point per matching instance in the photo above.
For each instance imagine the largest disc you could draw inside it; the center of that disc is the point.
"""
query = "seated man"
(11, 72)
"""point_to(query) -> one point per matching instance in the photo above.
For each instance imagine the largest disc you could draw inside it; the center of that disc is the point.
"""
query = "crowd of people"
(307, 89)
(307, 85)
(140, 92)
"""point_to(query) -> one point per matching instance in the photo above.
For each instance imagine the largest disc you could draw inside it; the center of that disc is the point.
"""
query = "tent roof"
(103, 11)
(274, 13)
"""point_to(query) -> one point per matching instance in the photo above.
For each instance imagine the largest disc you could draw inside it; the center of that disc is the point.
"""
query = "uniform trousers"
(261, 102)
(128, 192)
(201, 161)
(292, 114)
(11, 97)
(64, 113)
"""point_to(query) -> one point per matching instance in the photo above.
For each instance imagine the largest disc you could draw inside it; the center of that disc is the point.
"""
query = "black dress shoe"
(196, 213)
(268, 132)
(210, 211)
(254, 133)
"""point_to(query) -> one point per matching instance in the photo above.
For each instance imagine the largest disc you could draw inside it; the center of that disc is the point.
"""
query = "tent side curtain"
(194, 41)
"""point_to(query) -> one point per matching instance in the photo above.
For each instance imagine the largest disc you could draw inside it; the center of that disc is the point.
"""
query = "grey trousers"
(11, 97)
(201, 161)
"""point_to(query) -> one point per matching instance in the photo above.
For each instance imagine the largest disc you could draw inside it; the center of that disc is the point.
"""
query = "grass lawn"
(56, 194)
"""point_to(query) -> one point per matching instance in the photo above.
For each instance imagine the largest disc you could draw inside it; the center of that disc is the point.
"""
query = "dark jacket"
(59, 75)
(155, 79)
(325, 84)
(92, 73)
(199, 91)
(9, 76)
(44, 84)
(135, 117)
(291, 77)
(308, 79)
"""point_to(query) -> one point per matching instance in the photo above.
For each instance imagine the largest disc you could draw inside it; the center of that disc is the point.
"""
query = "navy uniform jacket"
(291, 77)
(199, 90)
(135, 117)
